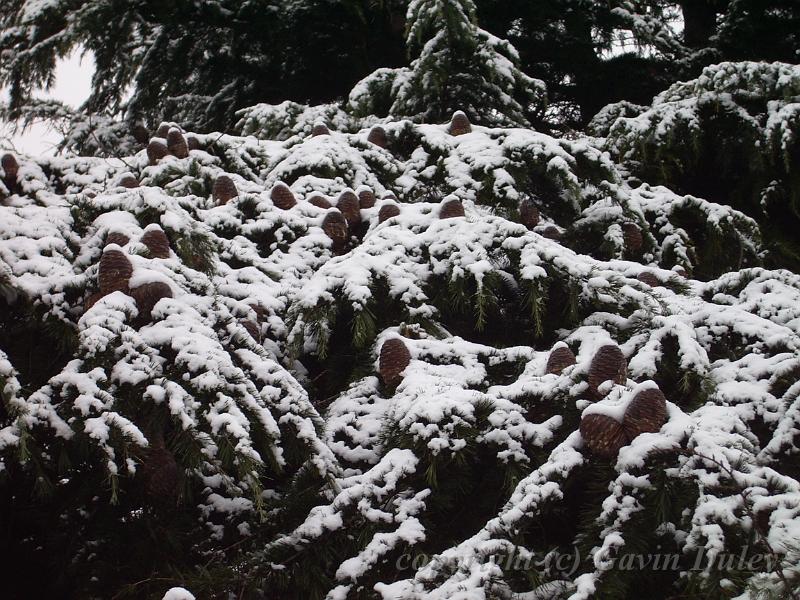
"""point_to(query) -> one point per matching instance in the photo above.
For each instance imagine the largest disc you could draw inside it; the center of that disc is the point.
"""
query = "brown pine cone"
(366, 198)
(319, 201)
(603, 435)
(648, 278)
(224, 190)
(633, 237)
(335, 227)
(646, 413)
(128, 181)
(10, 167)
(192, 143)
(163, 130)
(451, 208)
(528, 213)
(348, 205)
(115, 272)
(140, 133)
(377, 136)
(91, 300)
(394, 358)
(252, 328)
(608, 364)
(459, 124)
(115, 237)
(320, 129)
(161, 475)
(147, 296)
(156, 150)
(388, 211)
(551, 232)
(282, 197)
(176, 143)
(560, 358)
(157, 242)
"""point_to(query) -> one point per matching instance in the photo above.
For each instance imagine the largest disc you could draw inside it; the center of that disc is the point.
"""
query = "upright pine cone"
(163, 130)
(128, 180)
(560, 358)
(140, 133)
(147, 296)
(156, 241)
(348, 205)
(193, 143)
(459, 124)
(319, 201)
(115, 272)
(388, 211)
(528, 213)
(377, 136)
(608, 364)
(648, 278)
(161, 474)
(156, 150)
(646, 413)
(91, 300)
(176, 143)
(320, 129)
(335, 227)
(633, 237)
(366, 198)
(551, 232)
(603, 434)
(253, 328)
(451, 208)
(224, 190)
(115, 237)
(282, 196)
(394, 358)
(10, 167)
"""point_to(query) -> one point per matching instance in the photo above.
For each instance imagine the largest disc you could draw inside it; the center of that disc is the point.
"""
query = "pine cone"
(459, 124)
(633, 237)
(10, 167)
(91, 300)
(394, 358)
(147, 296)
(349, 206)
(646, 413)
(320, 129)
(528, 213)
(560, 358)
(140, 133)
(192, 143)
(319, 201)
(335, 227)
(648, 278)
(176, 143)
(388, 211)
(680, 271)
(161, 475)
(603, 435)
(252, 328)
(156, 150)
(129, 181)
(377, 136)
(224, 190)
(282, 196)
(115, 237)
(366, 199)
(163, 130)
(115, 272)
(551, 232)
(608, 364)
(451, 208)
(157, 242)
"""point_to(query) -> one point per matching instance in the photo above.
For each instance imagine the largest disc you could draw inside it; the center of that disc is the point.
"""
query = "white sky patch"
(72, 86)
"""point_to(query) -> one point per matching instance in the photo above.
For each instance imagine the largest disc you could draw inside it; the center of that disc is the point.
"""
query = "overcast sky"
(73, 80)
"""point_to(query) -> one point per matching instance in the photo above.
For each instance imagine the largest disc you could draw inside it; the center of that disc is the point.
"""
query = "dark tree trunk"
(700, 21)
